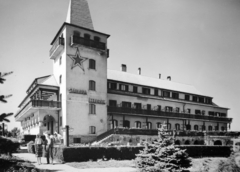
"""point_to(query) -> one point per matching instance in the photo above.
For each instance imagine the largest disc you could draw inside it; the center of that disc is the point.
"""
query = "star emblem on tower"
(77, 60)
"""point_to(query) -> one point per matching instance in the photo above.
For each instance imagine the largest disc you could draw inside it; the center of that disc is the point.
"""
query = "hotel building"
(92, 100)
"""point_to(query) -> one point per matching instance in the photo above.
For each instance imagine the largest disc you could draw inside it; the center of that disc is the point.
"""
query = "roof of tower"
(152, 82)
(79, 14)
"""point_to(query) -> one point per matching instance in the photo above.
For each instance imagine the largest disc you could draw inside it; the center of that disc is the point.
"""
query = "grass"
(198, 164)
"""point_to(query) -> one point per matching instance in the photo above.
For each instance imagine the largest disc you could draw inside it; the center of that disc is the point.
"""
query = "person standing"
(38, 148)
(49, 148)
(45, 151)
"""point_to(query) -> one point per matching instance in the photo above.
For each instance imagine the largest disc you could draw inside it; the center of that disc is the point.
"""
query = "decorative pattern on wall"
(77, 60)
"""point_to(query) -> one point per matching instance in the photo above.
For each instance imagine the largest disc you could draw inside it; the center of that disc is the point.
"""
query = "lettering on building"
(77, 91)
(96, 101)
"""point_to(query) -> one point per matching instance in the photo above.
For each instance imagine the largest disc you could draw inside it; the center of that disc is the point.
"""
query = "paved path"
(58, 167)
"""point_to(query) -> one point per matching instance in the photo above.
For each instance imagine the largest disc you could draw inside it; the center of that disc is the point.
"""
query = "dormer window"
(96, 38)
(87, 36)
(76, 33)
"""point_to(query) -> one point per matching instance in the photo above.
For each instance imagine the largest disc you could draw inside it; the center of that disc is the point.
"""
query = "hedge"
(80, 154)
(7, 146)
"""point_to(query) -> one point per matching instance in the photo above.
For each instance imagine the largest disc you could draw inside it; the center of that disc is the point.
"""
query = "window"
(138, 105)
(159, 108)
(223, 128)
(92, 130)
(76, 33)
(195, 98)
(123, 87)
(203, 127)
(188, 126)
(175, 95)
(216, 128)
(112, 103)
(60, 60)
(114, 124)
(166, 94)
(60, 79)
(198, 112)
(60, 121)
(209, 100)
(126, 104)
(126, 123)
(223, 114)
(138, 124)
(148, 107)
(156, 92)
(96, 38)
(201, 99)
(169, 126)
(92, 64)
(189, 111)
(177, 126)
(87, 36)
(187, 97)
(146, 91)
(196, 127)
(135, 88)
(92, 108)
(159, 124)
(76, 140)
(210, 113)
(209, 128)
(112, 86)
(203, 112)
(168, 109)
(149, 125)
(177, 109)
(92, 85)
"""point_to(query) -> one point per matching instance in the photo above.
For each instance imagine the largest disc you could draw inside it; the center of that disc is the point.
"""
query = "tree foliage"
(162, 155)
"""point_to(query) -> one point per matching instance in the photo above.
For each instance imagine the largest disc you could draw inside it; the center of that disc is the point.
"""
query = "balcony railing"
(38, 104)
(76, 40)
(55, 50)
(133, 111)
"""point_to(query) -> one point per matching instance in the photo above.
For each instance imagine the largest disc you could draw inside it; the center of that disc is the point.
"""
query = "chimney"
(159, 75)
(124, 68)
(139, 71)
(169, 78)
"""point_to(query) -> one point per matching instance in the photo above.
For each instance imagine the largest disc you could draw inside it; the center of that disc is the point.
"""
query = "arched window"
(218, 142)
(92, 64)
(159, 124)
(210, 128)
(196, 127)
(138, 124)
(188, 127)
(149, 125)
(87, 36)
(177, 142)
(114, 124)
(222, 128)
(76, 33)
(126, 123)
(187, 142)
(203, 128)
(177, 126)
(96, 38)
(92, 85)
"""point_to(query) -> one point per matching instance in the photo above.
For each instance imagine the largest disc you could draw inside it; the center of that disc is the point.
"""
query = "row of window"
(113, 103)
(158, 92)
(86, 36)
(148, 125)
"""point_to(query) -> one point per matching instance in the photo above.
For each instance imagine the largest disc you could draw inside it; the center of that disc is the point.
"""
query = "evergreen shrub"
(8, 146)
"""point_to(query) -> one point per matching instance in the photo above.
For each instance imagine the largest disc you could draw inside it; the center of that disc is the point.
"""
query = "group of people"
(44, 148)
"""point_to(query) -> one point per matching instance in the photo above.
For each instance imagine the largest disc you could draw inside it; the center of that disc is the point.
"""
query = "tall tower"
(79, 55)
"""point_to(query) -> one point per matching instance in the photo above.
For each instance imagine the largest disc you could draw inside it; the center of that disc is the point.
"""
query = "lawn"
(198, 164)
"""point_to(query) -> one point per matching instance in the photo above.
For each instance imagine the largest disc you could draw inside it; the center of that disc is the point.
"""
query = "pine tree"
(162, 156)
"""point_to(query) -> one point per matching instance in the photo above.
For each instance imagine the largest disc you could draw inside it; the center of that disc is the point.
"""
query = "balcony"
(76, 40)
(34, 105)
(57, 48)
(163, 114)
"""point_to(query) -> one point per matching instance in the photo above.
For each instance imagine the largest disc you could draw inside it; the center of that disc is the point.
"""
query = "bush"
(7, 146)
(31, 147)
(232, 164)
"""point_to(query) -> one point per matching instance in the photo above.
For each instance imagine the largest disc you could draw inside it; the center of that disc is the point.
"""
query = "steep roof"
(151, 82)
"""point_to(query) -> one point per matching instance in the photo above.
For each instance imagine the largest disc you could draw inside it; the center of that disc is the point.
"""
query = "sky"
(196, 42)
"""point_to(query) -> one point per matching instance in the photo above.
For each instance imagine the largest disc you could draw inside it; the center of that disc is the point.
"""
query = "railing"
(104, 135)
(133, 111)
(59, 41)
(87, 42)
(44, 103)
(39, 103)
